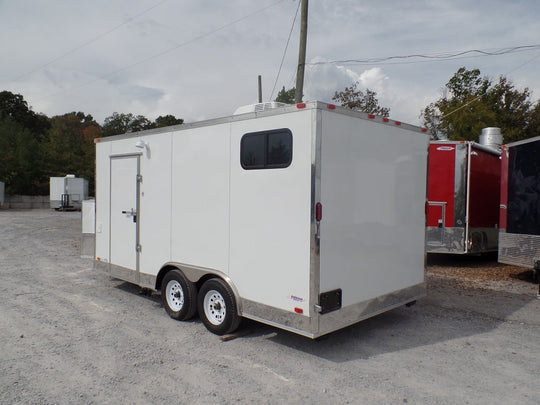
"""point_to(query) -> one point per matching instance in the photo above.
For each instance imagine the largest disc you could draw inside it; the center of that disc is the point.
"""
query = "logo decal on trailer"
(297, 299)
(445, 148)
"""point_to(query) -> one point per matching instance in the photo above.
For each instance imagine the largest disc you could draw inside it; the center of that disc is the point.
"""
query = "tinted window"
(252, 150)
(266, 150)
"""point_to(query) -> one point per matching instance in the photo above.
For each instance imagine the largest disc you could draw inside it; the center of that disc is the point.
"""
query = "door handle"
(132, 212)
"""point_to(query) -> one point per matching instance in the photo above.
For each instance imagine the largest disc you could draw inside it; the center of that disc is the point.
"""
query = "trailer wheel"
(217, 307)
(179, 296)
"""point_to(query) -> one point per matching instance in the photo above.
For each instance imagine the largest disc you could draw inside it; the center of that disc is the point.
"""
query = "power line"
(167, 51)
(285, 51)
(482, 95)
(88, 42)
(432, 57)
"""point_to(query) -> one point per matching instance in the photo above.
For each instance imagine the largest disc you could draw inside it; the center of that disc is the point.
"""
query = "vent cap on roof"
(270, 105)
(491, 137)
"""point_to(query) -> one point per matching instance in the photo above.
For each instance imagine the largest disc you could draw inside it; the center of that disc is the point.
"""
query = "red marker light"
(385, 119)
(318, 212)
(331, 107)
(424, 129)
(298, 310)
(371, 116)
(398, 122)
(301, 105)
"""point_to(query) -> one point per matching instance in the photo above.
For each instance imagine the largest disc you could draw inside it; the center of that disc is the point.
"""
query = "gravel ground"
(69, 334)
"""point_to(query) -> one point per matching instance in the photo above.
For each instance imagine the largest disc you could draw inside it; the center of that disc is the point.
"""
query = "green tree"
(355, 99)
(70, 147)
(533, 129)
(15, 107)
(471, 102)
(286, 96)
(22, 137)
(119, 123)
(21, 160)
(166, 121)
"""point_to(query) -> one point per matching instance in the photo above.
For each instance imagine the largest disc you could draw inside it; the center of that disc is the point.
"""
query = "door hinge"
(139, 248)
(139, 178)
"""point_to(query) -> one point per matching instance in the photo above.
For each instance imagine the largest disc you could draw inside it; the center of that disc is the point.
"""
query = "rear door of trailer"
(372, 232)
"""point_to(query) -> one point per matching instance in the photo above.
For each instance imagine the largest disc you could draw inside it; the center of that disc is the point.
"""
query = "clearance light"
(385, 119)
(99, 258)
(301, 105)
(331, 107)
(298, 310)
(398, 122)
(424, 129)
(318, 212)
(371, 116)
(98, 139)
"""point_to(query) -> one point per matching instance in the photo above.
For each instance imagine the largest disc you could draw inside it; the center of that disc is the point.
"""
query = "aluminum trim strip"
(131, 276)
(332, 321)
(242, 117)
(353, 314)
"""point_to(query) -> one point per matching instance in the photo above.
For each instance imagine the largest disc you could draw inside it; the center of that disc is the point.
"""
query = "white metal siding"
(200, 197)
(373, 186)
(155, 203)
(270, 219)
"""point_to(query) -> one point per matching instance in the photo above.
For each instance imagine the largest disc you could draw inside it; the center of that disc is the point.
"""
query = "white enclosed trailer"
(68, 192)
(308, 217)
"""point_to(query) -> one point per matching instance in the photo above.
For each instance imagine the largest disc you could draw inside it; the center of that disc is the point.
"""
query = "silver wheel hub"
(175, 295)
(214, 307)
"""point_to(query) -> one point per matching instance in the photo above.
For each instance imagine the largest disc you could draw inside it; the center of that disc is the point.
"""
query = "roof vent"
(491, 137)
(270, 105)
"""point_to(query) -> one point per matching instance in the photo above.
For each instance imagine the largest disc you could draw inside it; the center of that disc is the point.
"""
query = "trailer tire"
(178, 295)
(217, 307)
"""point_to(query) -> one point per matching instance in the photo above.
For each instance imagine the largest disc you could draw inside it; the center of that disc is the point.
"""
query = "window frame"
(266, 134)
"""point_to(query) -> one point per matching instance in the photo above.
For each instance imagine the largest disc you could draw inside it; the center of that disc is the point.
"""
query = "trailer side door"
(124, 207)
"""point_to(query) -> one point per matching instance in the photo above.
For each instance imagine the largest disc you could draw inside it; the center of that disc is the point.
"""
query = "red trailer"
(463, 196)
(519, 237)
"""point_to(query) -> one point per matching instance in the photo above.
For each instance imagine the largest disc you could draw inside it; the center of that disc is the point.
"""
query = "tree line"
(34, 147)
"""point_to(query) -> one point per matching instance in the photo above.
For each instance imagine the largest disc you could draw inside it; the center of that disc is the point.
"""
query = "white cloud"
(202, 65)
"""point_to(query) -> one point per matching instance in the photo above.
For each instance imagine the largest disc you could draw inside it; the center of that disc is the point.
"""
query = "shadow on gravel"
(527, 275)
(438, 259)
(447, 313)
(136, 290)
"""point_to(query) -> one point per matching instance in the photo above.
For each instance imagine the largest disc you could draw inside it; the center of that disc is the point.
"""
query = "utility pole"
(260, 89)
(302, 53)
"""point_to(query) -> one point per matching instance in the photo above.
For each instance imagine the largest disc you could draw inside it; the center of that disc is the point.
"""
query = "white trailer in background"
(68, 192)
(308, 217)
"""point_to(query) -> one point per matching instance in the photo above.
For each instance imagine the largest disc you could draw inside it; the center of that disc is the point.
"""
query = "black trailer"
(519, 236)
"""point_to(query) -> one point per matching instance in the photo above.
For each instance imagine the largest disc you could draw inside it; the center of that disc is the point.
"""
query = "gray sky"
(200, 59)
